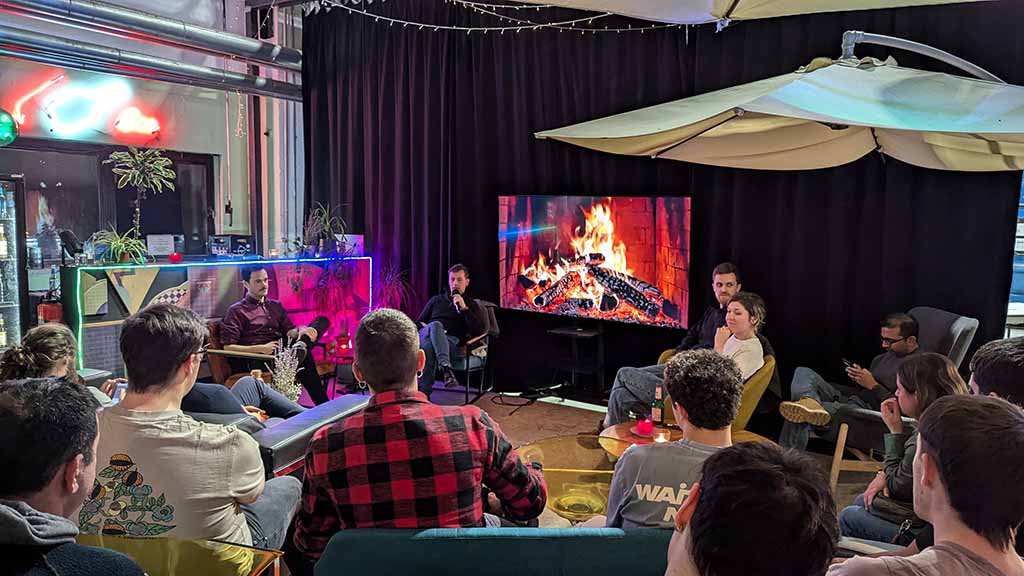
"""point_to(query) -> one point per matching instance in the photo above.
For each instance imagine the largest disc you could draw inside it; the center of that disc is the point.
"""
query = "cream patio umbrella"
(826, 114)
(704, 11)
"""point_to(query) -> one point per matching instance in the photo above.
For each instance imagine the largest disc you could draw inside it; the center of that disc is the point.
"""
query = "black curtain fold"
(416, 133)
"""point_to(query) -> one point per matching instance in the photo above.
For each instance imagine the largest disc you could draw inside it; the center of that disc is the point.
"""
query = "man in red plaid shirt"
(403, 462)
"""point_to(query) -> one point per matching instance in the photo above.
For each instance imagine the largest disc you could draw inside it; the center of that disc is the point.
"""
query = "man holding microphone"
(446, 321)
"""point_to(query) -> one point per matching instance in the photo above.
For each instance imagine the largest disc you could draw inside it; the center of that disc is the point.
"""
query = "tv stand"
(578, 363)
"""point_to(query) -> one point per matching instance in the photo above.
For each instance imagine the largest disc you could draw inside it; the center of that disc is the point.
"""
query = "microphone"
(455, 293)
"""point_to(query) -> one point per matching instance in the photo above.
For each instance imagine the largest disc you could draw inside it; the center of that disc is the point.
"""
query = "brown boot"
(805, 411)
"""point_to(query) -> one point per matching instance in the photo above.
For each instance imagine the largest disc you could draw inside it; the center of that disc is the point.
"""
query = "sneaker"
(805, 411)
(450, 381)
(300, 350)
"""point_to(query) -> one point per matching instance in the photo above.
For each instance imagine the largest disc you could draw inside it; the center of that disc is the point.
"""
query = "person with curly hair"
(652, 480)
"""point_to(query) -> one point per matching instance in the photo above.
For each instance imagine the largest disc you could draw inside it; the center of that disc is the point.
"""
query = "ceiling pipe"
(62, 52)
(127, 22)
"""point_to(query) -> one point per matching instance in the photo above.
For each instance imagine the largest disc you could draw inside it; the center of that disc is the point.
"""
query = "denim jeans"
(252, 392)
(437, 346)
(808, 384)
(271, 514)
(633, 390)
(856, 522)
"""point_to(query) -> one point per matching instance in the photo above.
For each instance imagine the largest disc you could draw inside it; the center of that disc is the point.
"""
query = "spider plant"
(392, 288)
(121, 248)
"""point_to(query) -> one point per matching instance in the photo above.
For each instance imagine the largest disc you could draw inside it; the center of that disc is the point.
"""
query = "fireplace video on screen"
(625, 259)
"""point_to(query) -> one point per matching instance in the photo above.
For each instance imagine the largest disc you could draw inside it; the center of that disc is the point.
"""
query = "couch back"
(497, 552)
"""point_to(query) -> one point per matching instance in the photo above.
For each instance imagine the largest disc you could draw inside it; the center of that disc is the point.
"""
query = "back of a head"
(44, 423)
(156, 341)
(976, 443)
(387, 348)
(998, 368)
(930, 376)
(40, 349)
(763, 511)
(707, 385)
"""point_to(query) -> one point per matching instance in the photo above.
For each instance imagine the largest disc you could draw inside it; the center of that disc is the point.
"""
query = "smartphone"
(847, 363)
(119, 392)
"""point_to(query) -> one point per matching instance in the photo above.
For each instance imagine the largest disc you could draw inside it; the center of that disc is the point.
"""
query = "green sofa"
(496, 552)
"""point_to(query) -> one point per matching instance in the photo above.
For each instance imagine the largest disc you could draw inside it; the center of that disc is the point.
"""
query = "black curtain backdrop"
(416, 133)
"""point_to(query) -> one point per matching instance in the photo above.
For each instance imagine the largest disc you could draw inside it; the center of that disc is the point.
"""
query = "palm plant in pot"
(147, 170)
(121, 248)
(324, 225)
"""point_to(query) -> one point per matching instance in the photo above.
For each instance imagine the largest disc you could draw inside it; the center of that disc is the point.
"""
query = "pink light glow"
(17, 114)
(132, 121)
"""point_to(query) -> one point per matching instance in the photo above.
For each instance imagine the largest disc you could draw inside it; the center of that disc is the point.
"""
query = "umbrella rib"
(737, 112)
(729, 11)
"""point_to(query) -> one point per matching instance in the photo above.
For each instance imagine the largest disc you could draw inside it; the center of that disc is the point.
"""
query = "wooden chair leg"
(837, 458)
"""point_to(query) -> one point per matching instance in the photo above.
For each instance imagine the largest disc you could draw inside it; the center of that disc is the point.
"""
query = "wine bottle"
(658, 407)
(3, 333)
(3, 242)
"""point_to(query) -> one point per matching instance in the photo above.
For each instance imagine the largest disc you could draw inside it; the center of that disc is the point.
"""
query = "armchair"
(862, 431)
(217, 356)
(472, 357)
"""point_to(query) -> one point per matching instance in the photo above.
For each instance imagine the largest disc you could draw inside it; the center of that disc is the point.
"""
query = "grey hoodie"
(23, 525)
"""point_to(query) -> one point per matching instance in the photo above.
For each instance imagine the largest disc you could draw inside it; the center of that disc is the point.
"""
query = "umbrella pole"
(853, 37)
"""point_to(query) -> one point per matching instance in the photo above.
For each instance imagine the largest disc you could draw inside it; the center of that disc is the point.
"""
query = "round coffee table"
(578, 471)
(626, 438)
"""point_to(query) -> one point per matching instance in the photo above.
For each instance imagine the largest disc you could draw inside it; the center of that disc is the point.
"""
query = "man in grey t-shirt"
(652, 480)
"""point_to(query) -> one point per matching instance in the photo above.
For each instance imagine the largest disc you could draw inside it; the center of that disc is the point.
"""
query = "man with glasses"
(163, 473)
(815, 400)
(257, 324)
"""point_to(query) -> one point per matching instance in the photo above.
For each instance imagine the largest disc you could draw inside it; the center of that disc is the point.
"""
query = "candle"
(645, 427)
(174, 258)
(273, 253)
(661, 437)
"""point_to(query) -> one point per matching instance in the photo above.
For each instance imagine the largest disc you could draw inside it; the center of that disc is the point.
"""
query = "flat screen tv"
(623, 258)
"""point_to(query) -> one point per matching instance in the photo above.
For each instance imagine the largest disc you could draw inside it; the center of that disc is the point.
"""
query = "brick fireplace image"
(625, 259)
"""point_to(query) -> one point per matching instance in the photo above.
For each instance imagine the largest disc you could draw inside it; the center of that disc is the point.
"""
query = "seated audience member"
(705, 389)
(757, 511)
(737, 340)
(258, 325)
(446, 321)
(50, 349)
(919, 382)
(48, 445)
(403, 462)
(997, 370)
(207, 479)
(967, 476)
(815, 401)
(633, 388)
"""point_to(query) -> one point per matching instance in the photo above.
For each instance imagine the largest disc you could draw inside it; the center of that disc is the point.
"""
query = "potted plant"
(323, 224)
(147, 170)
(392, 288)
(121, 248)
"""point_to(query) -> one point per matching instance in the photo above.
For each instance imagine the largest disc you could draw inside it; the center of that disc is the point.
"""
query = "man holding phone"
(815, 400)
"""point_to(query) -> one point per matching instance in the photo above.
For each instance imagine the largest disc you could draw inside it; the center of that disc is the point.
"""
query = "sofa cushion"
(284, 444)
(497, 552)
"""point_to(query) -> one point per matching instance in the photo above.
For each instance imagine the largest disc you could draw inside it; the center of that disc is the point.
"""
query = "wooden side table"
(669, 434)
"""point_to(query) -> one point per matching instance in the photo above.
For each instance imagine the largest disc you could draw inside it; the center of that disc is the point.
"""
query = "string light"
(521, 24)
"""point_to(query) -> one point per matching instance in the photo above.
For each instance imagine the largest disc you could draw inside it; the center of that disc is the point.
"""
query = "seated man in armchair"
(447, 321)
(257, 324)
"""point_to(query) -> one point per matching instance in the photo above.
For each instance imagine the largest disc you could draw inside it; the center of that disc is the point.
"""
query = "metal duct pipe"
(853, 37)
(84, 56)
(112, 19)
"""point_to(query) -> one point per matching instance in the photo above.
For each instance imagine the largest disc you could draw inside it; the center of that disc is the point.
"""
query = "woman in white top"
(738, 338)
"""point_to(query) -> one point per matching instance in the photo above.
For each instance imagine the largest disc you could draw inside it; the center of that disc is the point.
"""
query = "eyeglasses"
(891, 341)
(202, 350)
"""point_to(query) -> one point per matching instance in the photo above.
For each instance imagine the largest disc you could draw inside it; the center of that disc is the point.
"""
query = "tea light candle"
(661, 437)
(273, 252)
(174, 258)
(645, 427)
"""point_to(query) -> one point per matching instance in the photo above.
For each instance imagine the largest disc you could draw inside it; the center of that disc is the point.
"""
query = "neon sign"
(71, 108)
(132, 121)
(101, 101)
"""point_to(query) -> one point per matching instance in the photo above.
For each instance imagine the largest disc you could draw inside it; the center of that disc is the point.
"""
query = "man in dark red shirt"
(258, 325)
(403, 462)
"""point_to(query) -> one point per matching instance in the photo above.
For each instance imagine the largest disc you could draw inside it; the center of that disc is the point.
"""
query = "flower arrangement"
(286, 369)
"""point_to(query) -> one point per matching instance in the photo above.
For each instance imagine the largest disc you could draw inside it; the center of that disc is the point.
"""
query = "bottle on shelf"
(3, 243)
(3, 202)
(3, 283)
(3, 333)
(53, 292)
(658, 407)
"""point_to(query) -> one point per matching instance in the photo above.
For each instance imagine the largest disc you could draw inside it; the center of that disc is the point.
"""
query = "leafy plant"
(121, 247)
(325, 224)
(392, 288)
(147, 170)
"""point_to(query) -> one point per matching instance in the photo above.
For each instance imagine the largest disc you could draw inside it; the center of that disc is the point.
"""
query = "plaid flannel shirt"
(403, 462)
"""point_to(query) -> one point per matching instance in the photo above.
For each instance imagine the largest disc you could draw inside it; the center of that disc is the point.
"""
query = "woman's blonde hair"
(40, 350)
